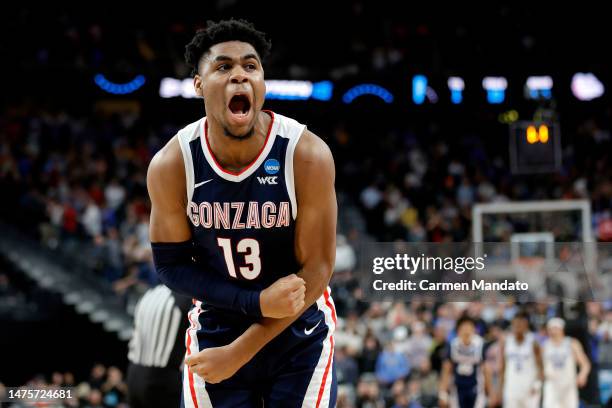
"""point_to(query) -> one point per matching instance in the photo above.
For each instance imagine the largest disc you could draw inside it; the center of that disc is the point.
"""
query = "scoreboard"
(535, 147)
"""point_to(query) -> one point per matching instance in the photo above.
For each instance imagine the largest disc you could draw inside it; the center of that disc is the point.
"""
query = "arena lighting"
(298, 90)
(367, 89)
(539, 87)
(119, 89)
(172, 87)
(275, 89)
(419, 89)
(586, 86)
(496, 89)
(456, 86)
(322, 90)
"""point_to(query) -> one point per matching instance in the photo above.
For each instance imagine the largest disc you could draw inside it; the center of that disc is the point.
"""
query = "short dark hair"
(464, 319)
(222, 31)
(521, 314)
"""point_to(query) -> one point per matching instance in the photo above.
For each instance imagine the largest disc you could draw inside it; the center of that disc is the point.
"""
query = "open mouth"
(239, 105)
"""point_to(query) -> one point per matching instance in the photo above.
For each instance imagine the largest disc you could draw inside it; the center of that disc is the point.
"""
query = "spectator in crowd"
(391, 365)
(368, 392)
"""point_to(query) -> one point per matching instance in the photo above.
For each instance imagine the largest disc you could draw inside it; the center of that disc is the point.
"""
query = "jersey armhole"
(289, 173)
(188, 162)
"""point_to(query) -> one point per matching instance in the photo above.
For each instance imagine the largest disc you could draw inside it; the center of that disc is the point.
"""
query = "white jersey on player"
(521, 373)
(560, 388)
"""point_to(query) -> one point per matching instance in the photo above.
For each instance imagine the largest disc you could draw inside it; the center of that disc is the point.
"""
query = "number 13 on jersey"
(247, 246)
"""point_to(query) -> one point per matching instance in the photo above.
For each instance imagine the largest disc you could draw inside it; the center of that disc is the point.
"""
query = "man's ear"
(197, 84)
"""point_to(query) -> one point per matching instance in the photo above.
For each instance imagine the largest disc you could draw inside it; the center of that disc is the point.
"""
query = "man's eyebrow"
(250, 56)
(220, 58)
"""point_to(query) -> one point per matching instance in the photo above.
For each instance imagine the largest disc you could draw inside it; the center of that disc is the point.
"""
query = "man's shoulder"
(166, 173)
(285, 121)
(314, 169)
(312, 150)
(190, 131)
(167, 168)
(169, 157)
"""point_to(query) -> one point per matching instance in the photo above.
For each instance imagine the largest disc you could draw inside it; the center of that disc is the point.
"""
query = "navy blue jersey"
(243, 226)
(466, 361)
(244, 223)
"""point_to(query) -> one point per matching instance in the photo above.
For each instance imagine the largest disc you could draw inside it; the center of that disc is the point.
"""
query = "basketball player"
(465, 364)
(521, 372)
(243, 219)
(562, 357)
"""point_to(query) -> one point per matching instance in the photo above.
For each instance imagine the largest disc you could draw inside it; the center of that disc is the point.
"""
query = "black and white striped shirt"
(159, 327)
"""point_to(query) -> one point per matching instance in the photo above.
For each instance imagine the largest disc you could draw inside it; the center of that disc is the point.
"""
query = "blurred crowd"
(421, 185)
(73, 181)
(105, 388)
(391, 354)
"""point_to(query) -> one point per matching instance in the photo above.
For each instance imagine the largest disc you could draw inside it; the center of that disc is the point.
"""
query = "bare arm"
(315, 247)
(537, 351)
(488, 380)
(168, 193)
(584, 365)
(445, 377)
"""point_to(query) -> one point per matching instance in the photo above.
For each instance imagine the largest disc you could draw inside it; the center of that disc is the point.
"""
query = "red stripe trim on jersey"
(269, 112)
(331, 350)
(329, 360)
(189, 372)
(329, 304)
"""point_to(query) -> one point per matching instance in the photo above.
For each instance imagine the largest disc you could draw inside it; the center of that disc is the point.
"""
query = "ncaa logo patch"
(272, 166)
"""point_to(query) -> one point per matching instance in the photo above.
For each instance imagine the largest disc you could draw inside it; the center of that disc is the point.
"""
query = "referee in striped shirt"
(157, 349)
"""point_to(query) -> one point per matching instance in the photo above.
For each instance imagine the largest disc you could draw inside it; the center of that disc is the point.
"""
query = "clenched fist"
(215, 364)
(283, 298)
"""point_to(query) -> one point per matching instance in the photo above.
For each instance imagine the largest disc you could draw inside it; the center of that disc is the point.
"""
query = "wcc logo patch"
(271, 166)
(268, 180)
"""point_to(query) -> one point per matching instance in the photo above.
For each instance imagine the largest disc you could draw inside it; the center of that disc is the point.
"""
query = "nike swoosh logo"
(204, 182)
(309, 332)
